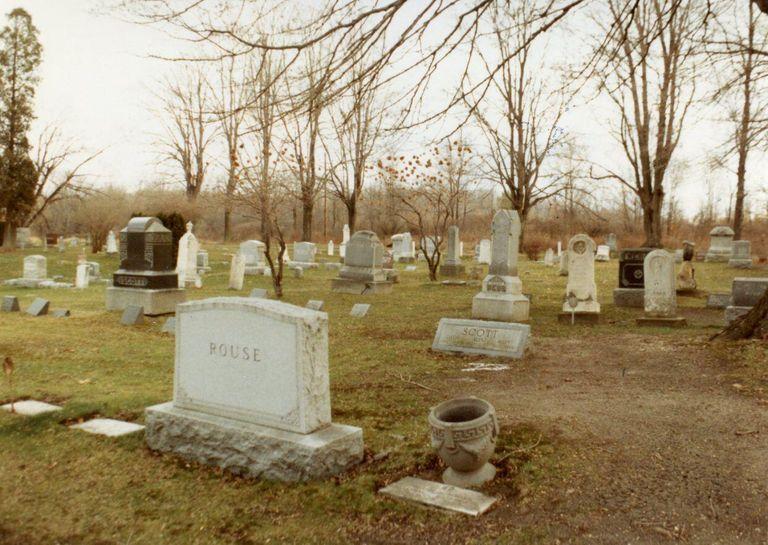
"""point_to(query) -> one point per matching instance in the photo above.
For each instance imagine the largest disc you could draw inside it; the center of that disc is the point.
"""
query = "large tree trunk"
(227, 223)
(307, 213)
(652, 224)
(351, 214)
(753, 324)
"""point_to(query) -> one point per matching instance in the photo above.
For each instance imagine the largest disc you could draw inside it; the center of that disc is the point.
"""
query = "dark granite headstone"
(52, 239)
(10, 304)
(39, 307)
(146, 256)
(631, 267)
(688, 250)
(132, 315)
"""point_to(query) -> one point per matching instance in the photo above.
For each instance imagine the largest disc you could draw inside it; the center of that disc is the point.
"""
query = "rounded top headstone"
(721, 231)
(146, 225)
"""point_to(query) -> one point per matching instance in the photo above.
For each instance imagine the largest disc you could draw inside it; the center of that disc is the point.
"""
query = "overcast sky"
(97, 82)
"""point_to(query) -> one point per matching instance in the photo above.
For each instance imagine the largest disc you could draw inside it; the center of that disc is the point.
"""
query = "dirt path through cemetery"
(661, 446)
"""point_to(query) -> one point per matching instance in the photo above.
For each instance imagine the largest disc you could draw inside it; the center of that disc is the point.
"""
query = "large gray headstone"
(505, 240)
(453, 252)
(304, 252)
(748, 291)
(498, 339)
(660, 287)
(35, 267)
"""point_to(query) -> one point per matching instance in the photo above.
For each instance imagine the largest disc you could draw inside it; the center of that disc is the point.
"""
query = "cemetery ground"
(609, 433)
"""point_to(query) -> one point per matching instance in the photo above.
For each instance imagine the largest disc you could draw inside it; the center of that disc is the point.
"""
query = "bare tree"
(58, 165)
(734, 52)
(648, 74)
(433, 190)
(357, 127)
(521, 124)
(230, 100)
(189, 129)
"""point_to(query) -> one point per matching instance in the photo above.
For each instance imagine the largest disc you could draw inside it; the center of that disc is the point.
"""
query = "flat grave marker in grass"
(259, 293)
(61, 313)
(30, 407)
(251, 392)
(444, 496)
(497, 339)
(108, 426)
(315, 304)
(359, 310)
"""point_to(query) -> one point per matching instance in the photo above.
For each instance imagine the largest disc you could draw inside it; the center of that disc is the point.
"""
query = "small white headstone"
(237, 272)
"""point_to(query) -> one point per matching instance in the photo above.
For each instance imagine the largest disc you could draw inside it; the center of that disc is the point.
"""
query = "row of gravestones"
(38, 307)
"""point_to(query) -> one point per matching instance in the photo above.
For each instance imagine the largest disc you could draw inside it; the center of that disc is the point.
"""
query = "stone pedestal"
(629, 297)
(660, 321)
(720, 241)
(155, 302)
(362, 272)
(252, 450)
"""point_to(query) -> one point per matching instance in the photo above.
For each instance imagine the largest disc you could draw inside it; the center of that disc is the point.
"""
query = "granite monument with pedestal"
(363, 272)
(251, 392)
(452, 265)
(630, 292)
(660, 298)
(402, 248)
(147, 276)
(720, 244)
(501, 298)
(253, 254)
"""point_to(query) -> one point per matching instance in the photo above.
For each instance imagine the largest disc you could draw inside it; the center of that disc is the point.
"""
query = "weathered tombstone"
(402, 248)
(741, 256)
(362, 272)
(23, 235)
(497, 339)
(39, 307)
(202, 262)
(61, 313)
(679, 255)
(686, 277)
(315, 304)
(253, 254)
(559, 248)
(94, 270)
(186, 258)
(631, 281)
(549, 258)
(610, 241)
(74, 242)
(660, 291)
(132, 315)
(82, 278)
(603, 253)
(251, 392)
(111, 243)
(237, 272)
(304, 253)
(169, 326)
(410, 268)
(10, 304)
(452, 265)
(745, 292)
(484, 252)
(147, 276)
(359, 310)
(581, 291)
(719, 300)
(61, 244)
(330, 248)
(563, 265)
(440, 495)
(298, 272)
(259, 293)
(108, 427)
(35, 267)
(720, 244)
(501, 298)
(51, 239)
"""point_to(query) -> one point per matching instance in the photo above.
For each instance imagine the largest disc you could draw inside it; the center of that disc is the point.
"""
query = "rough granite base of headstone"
(733, 313)
(10, 304)
(496, 339)
(719, 300)
(39, 307)
(660, 321)
(155, 302)
(501, 307)
(132, 315)
(579, 318)
(452, 270)
(444, 496)
(252, 450)
(360, 287)
(629, 297)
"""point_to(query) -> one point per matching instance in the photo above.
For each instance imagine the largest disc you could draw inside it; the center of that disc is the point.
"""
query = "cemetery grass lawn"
(576, 458)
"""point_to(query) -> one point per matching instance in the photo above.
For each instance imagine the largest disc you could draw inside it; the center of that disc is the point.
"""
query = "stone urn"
(464, 432)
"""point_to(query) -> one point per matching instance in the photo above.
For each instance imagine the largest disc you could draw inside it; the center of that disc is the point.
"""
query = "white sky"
(97, 80)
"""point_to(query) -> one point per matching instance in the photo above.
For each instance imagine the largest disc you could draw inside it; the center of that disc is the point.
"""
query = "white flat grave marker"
(359, 310)
(498, 339)
(108, 427)
(30, 407)
(444, 496)
(315, 304)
